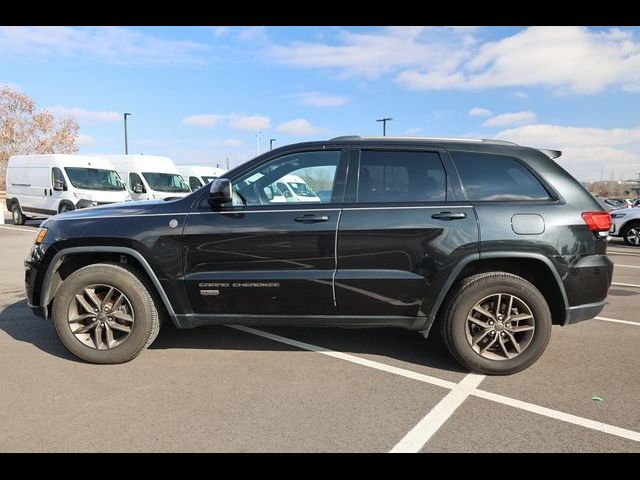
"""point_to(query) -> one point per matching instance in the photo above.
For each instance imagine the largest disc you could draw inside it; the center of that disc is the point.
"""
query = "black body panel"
(260, 262)
(366, 264)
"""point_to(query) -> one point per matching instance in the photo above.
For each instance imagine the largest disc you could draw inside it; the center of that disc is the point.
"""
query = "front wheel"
(631, 234)
(104, 313)
(496, 323)
(18, 216)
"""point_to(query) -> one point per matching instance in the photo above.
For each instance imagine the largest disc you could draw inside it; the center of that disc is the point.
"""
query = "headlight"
(40, 236)
(617, 215)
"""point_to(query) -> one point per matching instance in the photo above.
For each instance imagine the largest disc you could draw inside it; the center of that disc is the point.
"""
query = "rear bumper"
(584, 312)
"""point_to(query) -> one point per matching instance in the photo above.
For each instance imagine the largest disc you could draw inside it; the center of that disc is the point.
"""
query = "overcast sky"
(199, 94)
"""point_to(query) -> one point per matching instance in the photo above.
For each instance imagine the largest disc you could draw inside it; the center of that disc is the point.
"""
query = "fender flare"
(484, 256)
(45, 296)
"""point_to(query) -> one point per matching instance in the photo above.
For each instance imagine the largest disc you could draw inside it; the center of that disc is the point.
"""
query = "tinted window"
(291, 178)
(496, 177)
(395, 176)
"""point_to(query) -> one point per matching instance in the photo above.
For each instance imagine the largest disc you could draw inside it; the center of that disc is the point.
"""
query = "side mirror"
(138, 188)
(58, 185)
(220, 192)
(268, 191)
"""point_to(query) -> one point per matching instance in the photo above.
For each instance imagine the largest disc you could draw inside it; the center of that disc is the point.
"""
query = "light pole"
(126, 145)
(384, 124)
(271, 140)
(638, 192)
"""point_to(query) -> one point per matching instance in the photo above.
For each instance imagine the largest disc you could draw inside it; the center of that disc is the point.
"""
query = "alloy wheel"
(633, 236)
(100, 316)
(500, 326)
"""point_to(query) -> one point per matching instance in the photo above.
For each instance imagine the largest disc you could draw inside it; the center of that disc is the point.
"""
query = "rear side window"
(397, 176)
(497, 178)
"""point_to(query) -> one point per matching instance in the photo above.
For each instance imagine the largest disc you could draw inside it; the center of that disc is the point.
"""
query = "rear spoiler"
(552, 154)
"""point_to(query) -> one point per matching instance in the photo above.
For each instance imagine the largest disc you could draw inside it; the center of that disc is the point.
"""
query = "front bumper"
(31, 272)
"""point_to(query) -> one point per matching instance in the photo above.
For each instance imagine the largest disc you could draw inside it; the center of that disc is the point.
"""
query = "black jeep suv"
(490, 241)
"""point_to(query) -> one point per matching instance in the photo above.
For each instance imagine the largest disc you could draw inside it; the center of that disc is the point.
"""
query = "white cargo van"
(39, 186)
(198, 175)
(295, 189)
(149, 176)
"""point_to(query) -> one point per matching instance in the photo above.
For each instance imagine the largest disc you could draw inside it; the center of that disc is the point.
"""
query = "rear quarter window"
(487, 177)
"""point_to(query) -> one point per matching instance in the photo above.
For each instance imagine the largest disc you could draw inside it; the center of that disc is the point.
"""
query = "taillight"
(597, 221)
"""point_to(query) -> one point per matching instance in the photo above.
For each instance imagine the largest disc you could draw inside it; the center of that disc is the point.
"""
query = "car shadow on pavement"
(20, 324)
(402, 345)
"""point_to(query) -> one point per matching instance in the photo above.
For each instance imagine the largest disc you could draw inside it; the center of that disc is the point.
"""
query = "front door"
(401, 232)
(262, 255)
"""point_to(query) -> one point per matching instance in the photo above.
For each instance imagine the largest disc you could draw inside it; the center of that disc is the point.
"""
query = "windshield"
(301, 189)
(166, 182)
(208, 179)
(94, 178)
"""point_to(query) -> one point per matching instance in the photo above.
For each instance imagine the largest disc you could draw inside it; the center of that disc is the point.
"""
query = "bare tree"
(23, 130)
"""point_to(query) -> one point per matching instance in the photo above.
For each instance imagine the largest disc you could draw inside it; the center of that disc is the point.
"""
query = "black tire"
(18, 216)
(472, 290)
(126, 279)
(66, 207)
(626, 233)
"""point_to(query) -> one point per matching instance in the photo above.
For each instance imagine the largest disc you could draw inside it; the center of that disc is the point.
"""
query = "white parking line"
(17, 229)
(609, 252)
(625, 284)
(419, 435)
(615, 320)
(349, 358)
(529, 407)
(565, 417)
(627, 266)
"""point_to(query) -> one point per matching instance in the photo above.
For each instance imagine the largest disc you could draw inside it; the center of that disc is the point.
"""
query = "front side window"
(57, 178)
(306, 177)
(195, 183)
(94, 178)
(497, 178)
(401, 176)
(134, 179)
(166, 182)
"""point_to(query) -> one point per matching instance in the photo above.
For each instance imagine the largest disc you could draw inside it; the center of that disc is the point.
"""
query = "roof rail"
(447, 139)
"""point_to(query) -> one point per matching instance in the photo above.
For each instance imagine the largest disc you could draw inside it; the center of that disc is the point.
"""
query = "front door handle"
(449, 215)
(312, 218)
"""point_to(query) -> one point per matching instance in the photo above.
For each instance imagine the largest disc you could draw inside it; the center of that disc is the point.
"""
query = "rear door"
(401, 231)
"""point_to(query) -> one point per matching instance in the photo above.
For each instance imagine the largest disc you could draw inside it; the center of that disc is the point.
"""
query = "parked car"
(623, 202)
(626, 224)
(149, 177)
(39, 186)
(196, 176)
(484, 240)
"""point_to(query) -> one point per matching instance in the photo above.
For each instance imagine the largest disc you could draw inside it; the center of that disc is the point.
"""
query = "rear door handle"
(449, 215)
(312, 218)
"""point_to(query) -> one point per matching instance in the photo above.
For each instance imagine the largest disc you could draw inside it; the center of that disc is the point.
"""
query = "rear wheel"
(104, 313)
(496, 323)
(631, 234)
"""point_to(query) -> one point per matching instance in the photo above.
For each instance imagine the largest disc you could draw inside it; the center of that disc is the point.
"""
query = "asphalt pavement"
(226, 389)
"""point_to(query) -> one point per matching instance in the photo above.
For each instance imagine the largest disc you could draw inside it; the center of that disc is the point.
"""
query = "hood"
(113, 209)
(634, 210)
(102, 196)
